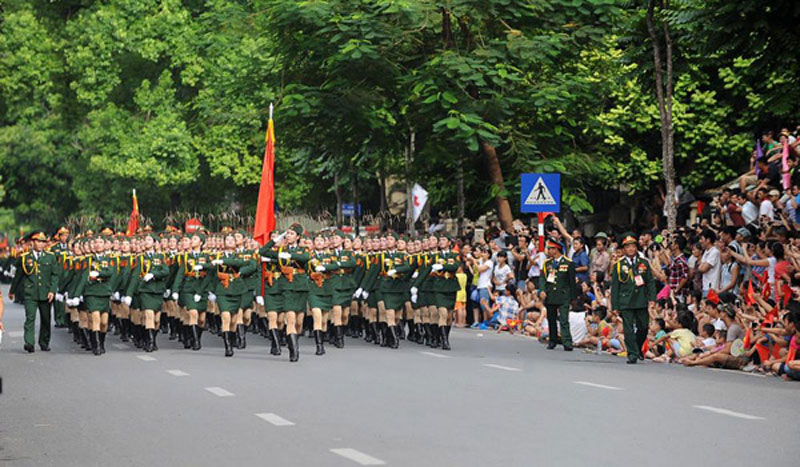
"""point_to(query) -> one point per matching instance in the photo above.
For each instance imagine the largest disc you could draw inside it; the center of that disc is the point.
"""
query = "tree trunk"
(338, 191)
(460, 182)
(665, 112)
(496, 176)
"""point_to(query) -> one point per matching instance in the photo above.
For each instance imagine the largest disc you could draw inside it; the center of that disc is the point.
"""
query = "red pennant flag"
(713, 297)
(750, 296)
(793, 345)
(645, 347)
(763, 277)
(748, 337)
(265, 211)
(763, 352)
(786, 293)
(133, 220)
(767, 291)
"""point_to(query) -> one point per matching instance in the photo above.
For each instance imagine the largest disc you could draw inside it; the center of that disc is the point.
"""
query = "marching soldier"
(36, 279)
(148, 284)
(61, 251)
(558, 287)
(632, 289)
(230, 273)
(95, 286)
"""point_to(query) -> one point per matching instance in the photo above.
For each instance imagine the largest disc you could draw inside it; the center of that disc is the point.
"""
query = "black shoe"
(551, 346)
(148, 340)
(195, 337)
(173, 328)
(226, 340)
(186, 336)
(241, 330)
(446, 338)
(45, 348)
(394, 337)
(318, 339)
(632, 362)
(125, 325)
(101, 343)
(401, 330)
(436, 332)
(369, 338)
(86, 339)
(641, 357)
(155, 334)
(138, 336)
(28, 348)
(275, 348)
(294, 347)
(567, 348)
(338, 341)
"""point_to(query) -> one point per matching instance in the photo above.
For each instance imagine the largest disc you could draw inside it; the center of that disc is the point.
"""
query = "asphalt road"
(493, 400)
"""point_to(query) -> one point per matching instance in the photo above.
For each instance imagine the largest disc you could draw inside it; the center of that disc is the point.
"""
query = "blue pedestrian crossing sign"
(540, 193)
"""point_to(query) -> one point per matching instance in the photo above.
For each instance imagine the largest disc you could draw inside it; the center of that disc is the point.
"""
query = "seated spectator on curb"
(721, 357)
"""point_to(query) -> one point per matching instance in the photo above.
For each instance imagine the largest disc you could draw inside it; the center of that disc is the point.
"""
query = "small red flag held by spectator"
(750, 297)
(645, 346)
(713, 297)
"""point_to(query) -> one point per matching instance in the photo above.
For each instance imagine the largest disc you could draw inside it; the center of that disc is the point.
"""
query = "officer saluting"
(36, 279)
(558, 287)
(632, 288)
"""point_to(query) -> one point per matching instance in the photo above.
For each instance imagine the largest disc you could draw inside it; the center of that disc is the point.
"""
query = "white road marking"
(119, 346)
(595, 385)
(15, 333)
(501, 367)
(217, 391)
(738, 372)
(146, 358)
(728, 412)
(433, 354)
(357, 456)
(177, 373)
(274, 419)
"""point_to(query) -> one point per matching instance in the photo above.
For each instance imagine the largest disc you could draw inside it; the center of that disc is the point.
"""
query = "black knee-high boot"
(401, 330)
(275, 342)
(241, 330)
(94, 340)
(446, 338)
(195, 337)
(318, 339)
(226, 339)
(294, 347)
(393, 337)
(101, 343)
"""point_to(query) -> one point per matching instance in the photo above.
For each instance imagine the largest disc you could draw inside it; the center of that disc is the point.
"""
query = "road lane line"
(15, 333)
(728, 412)
(146, 358)
(177, 373)
(501, 367)
(217, 391)
(274, 419)
(433, 354)
(357, 456)
(595, 385)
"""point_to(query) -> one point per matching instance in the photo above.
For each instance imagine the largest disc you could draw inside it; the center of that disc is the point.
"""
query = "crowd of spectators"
(729, 282)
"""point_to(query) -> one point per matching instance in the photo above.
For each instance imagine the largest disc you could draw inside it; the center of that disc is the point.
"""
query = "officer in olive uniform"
(61, 251)
(36, 279)
(632, 288)
(558, 287)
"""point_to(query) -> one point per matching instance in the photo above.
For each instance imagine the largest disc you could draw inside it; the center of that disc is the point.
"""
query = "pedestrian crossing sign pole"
(540, 193)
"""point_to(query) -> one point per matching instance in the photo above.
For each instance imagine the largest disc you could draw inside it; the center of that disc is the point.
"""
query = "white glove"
(115, 296)
(127, 300)
(279, 238)
(59, 297)
(148, 277)
(391, 272)
(414, 298)
(358, 292)
(212, 297)
(69, 302)
(365, 294)
(320, 268)
(414, 291)
(66, 295)
(175, 296)
(197, 297)
(437, 267)
(80, 299)
(197, 267)
(414, 276)
(387, 261)
(260, 300)
(264, 259)
(94, 274)
(284, 255)
(217, 262)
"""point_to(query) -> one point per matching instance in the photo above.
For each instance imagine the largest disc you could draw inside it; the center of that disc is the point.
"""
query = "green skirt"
(445, 300)
(187, 300)
(295, 301)
(96, 303)
(274, 302)
(229, 303)
(323, 302)
(150, 301)
(246, 301)
(342, 297)
(393, 300)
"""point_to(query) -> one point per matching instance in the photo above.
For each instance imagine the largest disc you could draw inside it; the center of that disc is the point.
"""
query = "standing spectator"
(695, 276)
(749, 210)
(678, 269)
(521, 261)
(599, 258)
(503, 275)
(729, 279)
(728, 237)
(581, 260)
(734, 210)
(710, 263)
(766, 209)
(482, 267)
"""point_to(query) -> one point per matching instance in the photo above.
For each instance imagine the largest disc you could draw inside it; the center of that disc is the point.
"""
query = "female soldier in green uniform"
(274, 283)
(393, 289)
(148, 284)
(191, 282)
(96, 286)
(230, 288)
(320, 292)
(342, 285)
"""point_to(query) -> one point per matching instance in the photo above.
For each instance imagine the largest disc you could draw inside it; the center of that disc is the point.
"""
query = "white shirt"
(485, 278)
(749, 212)
(712, 276)
(577, 326)
(501, 273)
(767, 209)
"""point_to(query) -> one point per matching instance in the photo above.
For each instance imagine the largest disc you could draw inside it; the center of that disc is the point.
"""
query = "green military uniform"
(394, 289)
(274, 282)
(61, 252)
(36, 276)
(192, 278)
(445, 284)
(149, 294)
(343, 280)
(321, 287)
(632, 287)
(294, 269)
(231, 284)
(97, 291)
(558, 282)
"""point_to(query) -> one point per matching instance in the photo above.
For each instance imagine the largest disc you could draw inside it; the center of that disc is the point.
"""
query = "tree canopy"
(171, 97)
